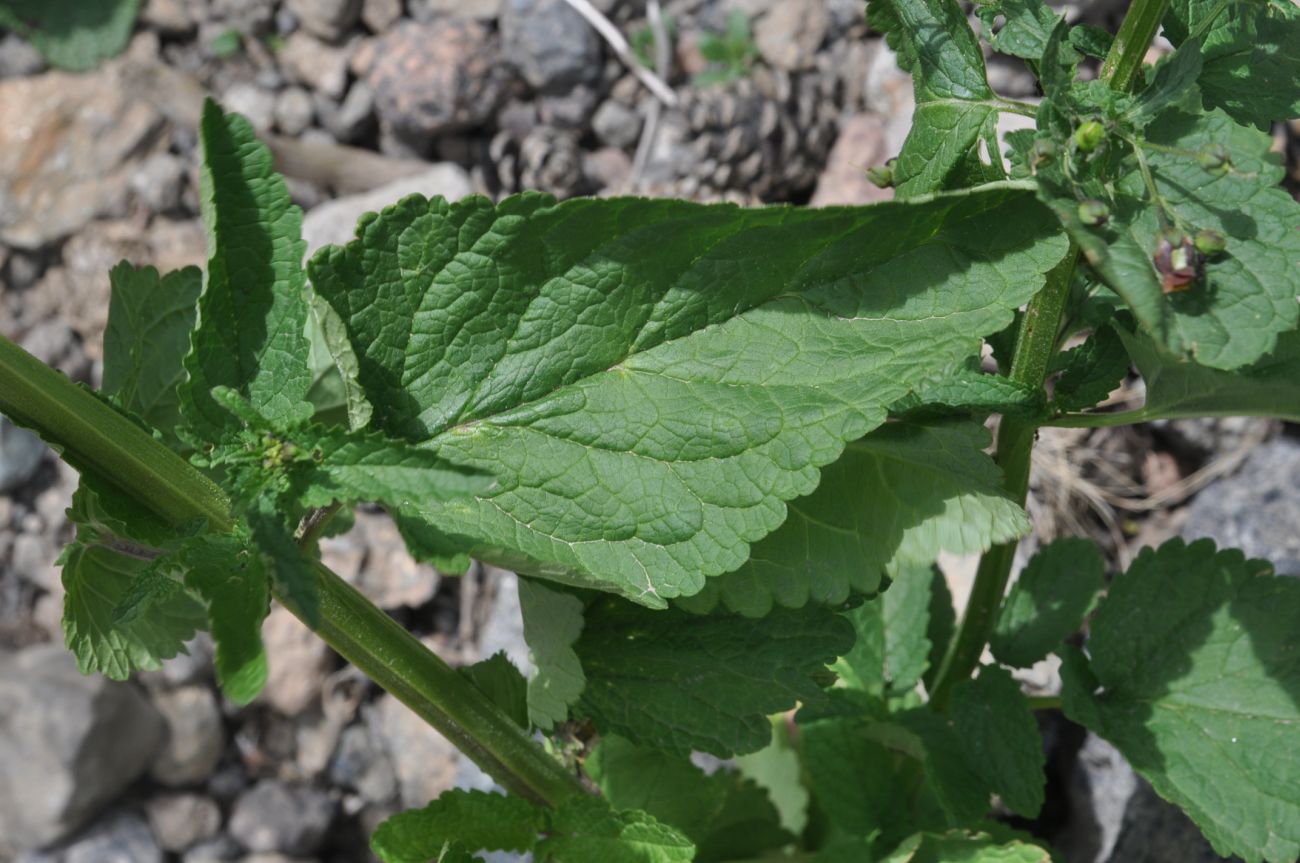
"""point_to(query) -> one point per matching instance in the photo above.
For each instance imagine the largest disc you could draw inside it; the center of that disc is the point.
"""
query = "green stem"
(1035, 347)
(94, 437)
(1044, 702)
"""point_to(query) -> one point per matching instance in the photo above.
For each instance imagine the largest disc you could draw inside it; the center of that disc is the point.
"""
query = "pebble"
(616, 125)
(222, 849)
(20, 455)
(860, 145)
(298, 662)
(169, 17)
(379, 15)
(18, 59)
(361, 764)
(789, 35)
(294, 111)
(69, 744)
(388, 575)
(553, 46)
(180, 821)
(1098, 790)
(195, 736)
(32, 560)
(351, 119)
(119, 837)
(429, 79)
(425, 762)
(480, 10)
(314, 64)
(159, 182)
(329, 19)
(335, 222)
(274, 816)
(253, 102)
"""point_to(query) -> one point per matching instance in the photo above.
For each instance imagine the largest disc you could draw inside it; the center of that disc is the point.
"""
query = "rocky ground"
(363, 101)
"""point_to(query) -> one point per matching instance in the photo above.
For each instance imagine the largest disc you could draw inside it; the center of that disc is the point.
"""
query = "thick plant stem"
(92, 436)
(1035, 347)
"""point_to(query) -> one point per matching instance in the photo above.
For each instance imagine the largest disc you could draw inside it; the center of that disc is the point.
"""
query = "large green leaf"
(955, 108)
(900, 495)
(253, 312)
(1252, 56)
(148, 336)
(1048, 602)
(471, 819)
(1179, 389)
(1194, 675)
(72, 34)
(855, 780)
(651, 379)
(1233, 316)
(681, 682)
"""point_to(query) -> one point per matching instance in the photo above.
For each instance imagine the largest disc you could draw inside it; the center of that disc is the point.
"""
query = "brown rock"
(298, 662)
(860, 145)
(437, 77)
(311, 62)
(389, 576)
(67, 143)
(789, 35)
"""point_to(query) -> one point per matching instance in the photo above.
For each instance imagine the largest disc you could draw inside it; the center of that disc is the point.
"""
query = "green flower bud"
(1042, 153)
(1210, 242)
(1093, 213)
(882, 176)
(1215, 159)
(1089, 136)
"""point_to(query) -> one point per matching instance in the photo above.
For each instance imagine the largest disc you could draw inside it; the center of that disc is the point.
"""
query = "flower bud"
(1093, 213)
(882, 176)
(1178, 261)
(1215, 159)
(1210, 243)
(1089, 136)
(1042, 153)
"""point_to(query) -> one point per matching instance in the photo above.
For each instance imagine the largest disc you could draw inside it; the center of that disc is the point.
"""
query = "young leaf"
(610, 360)
(72, 34)
(727, 816)
(1194, 675)
(231, 580)
(776, 769)
(251, 333)
(1048, 602)
(1270, 387)
(334, 368)
(902, 494)
(955, 108)
(586, 830)
(931, 738)
(1232, 316)
(148, 335)
(891, 651)
(968, 848)
(290, 570)
(552, 623)
(471, 819)
(499, 679)
(115, 540)
(1172, 83)
(681, 682)
(1252, 56)
(1090, 372)
(1002, 740)
(970, 390)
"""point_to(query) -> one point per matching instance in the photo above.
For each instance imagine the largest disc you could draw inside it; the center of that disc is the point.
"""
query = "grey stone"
(1154, 831)
(195, 736)
(181, 821)
(253, 102)
(119, 837)
(553, 46)
(789, 35)
(273, 816)
(379, 15)
(171, 17)
(219, 850)
(329, 19)
(69, 744)
(1099, 791)
(32, 560)
(388, 575)
(159, 181)
(297, 665)
(25, 268)
(570, 110)
(55, 343)
(18, 59)
(351, 119)
(427, 10)
(1256, 509)
(503, 629)
(253, 17)
(336, 221)
(20, 455)
(294, 110)
(425, 762)
(313, 63)
(360, 763)
(616, 125)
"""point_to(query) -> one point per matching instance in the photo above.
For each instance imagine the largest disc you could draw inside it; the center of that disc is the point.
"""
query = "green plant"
(725, 447)
(729, 53)
(642, 41)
